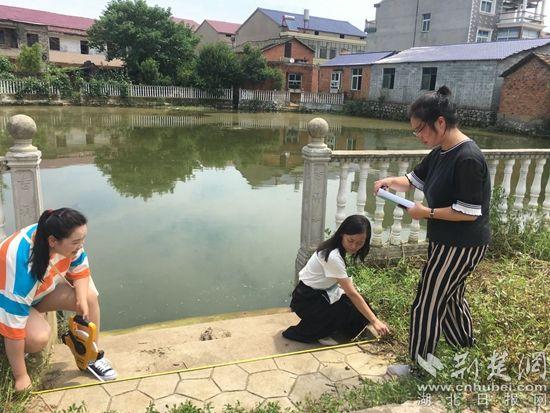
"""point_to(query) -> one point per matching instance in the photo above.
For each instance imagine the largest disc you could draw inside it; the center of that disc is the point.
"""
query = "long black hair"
(352, 225)
(430, 106)
(60, 223)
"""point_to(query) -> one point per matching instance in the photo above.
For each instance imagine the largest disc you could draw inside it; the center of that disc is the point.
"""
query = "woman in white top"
(325, 299)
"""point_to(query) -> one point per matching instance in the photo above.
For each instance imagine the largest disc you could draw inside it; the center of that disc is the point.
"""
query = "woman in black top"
(455, 180)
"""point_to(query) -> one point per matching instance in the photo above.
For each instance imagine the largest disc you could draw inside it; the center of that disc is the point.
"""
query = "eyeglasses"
(417, 131)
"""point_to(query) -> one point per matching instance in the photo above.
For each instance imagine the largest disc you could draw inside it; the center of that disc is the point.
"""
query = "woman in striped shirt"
(43, 267)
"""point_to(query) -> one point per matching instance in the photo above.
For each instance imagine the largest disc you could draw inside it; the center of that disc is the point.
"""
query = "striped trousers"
(439, 304)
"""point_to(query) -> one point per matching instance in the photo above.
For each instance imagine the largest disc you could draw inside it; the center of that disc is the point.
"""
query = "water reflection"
(195, 214)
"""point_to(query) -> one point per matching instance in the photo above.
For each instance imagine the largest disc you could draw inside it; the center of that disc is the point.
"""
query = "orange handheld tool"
(81, 340)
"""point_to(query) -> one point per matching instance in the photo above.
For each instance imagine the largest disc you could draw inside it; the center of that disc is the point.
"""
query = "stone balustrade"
(522, 173)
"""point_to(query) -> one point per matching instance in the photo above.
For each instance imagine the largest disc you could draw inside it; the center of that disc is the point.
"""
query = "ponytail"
(58, 223)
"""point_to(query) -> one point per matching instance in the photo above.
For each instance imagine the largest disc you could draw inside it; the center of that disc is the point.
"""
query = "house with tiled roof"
(63, 38)
(471, 70)
(212, 31)
(327, 37)
(349, 74)
(193, 25)
(525, 96)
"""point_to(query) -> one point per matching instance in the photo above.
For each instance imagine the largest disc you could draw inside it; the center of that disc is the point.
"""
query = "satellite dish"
(291, 60)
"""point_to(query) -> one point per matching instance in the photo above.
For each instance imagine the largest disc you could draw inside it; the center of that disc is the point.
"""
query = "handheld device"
(403, 202)
(81, 340)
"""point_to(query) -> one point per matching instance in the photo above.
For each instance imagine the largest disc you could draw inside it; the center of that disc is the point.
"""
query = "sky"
(235, 11)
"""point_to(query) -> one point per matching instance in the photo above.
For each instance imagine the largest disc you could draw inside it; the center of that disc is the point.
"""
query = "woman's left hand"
(82, 309)
(418, 211)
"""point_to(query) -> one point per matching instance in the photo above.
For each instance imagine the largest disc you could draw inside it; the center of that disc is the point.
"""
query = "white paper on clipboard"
(382, 193)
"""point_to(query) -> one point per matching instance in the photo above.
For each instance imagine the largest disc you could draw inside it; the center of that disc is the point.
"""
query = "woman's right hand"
(383, 183)
(22, 383)
(381, 328)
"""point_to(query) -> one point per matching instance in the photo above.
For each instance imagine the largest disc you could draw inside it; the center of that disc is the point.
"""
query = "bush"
(29, 62)
(6, 67)
(149, 72)
(256, 105)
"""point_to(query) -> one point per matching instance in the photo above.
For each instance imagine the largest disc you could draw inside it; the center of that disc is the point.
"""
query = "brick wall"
(298, 52)
(525, 94)
(345, 81)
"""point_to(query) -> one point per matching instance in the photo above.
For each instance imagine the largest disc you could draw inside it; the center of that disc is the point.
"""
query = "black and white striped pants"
(439, 303)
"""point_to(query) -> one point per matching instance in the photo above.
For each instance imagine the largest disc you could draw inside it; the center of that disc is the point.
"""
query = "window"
(294, 80)
(2, 37)
(429, 76)
(32, 38)
(316, 33)
(335, 80)
(388, 78)
(483, 36)
(84, 48)
(426, 18)
(351, 144)
(332, 53)
(323, 52)
(342, 36)
(54, 43)
(508, 34)
(356, 77)
(486, 6)
(288, 49)
(529, 34)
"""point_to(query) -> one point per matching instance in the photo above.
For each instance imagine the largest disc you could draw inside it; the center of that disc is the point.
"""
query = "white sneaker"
(399, 370)
(327, 341)
(102, 369)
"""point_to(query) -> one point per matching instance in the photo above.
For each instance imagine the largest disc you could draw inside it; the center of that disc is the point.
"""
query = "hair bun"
(444, 91)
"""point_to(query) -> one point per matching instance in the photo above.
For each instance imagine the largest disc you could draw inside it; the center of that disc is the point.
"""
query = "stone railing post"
(23, 159)
(314, 192)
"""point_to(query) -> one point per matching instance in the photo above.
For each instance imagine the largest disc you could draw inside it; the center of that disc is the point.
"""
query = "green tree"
(29, 62)
(254, 69)
(217, 67)
(149, 71)
(133, 31)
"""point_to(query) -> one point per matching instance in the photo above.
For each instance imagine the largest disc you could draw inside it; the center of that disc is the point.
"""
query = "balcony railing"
(520, 16)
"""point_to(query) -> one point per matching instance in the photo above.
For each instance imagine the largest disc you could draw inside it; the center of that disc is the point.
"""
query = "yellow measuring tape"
(228, 363)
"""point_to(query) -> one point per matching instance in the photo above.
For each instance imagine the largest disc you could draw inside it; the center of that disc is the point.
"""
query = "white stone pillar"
(378, 230)
(522, 184)
(493, 165)
(314, 193)
(362, 190)
(342, 193)
(414, 235)
(2, 216)
(506, 180)
(23, 160)
(395, 238)
(535, 186)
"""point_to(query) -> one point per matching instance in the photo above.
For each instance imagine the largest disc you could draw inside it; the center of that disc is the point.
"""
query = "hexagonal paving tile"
(199, 389)
(52, 399)
(229, 378)
(348, 350)
(166, 403)
(337, 371)
(159, 386)
(298, 364)
(115, 388)
(132, 402)
(257, 366)
(37, 405)
(245, 399)
(95, 398)
(368, 364)
(196, 374)
(311, 386)
(329, 356)
(273, 383)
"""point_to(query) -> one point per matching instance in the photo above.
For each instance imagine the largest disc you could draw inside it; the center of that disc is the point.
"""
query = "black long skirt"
(319, 318)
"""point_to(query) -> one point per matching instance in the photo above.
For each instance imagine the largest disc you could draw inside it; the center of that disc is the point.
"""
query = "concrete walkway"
(149, 361)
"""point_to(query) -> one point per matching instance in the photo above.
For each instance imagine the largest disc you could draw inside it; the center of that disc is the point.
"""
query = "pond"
(192, 213)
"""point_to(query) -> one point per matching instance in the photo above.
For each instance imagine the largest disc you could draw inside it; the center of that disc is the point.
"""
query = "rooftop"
(315, 23)
(356, 59)
(224, 27)
(464, 52)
